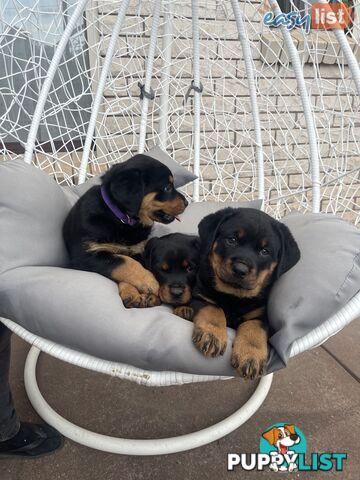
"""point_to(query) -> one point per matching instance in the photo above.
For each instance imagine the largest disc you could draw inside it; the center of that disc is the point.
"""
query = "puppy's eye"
(168, 188)
(231, 240)
(189, 268)
(281, 435)
(264, 252)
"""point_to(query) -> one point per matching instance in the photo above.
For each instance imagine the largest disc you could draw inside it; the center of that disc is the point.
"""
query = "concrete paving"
(319, 392)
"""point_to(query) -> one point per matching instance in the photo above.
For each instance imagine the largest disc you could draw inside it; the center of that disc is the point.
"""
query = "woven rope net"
(226, 151)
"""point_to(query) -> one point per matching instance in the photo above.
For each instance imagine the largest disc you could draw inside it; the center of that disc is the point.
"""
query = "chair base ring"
(138, 447)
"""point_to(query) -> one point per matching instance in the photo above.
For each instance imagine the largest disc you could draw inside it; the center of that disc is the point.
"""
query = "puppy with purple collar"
(107, 228)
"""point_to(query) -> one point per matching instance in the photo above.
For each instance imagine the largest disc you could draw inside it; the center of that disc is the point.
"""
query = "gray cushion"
(192, 216)
(182, 175)
(83, 311)
(321, 283)
(32, 211)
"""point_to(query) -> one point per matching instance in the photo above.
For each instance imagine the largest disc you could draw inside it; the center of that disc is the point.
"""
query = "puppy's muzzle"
(240, 268)
(170, 211)
(175, 293)
(176, 290)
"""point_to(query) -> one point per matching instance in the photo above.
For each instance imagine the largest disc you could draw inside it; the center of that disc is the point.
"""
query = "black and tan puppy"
(174, 261)
(106, 230)
(243, 252)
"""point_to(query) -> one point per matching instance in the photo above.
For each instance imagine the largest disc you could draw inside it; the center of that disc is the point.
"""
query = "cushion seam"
(349, 273)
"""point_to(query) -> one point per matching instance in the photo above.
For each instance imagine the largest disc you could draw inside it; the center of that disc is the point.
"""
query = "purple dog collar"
(123, 217)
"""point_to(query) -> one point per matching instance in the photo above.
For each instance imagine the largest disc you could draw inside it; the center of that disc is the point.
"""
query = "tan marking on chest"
(254, 314)
(206, 298)
(223, 287)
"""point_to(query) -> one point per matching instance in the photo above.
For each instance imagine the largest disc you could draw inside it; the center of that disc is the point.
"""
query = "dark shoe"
(32, 441)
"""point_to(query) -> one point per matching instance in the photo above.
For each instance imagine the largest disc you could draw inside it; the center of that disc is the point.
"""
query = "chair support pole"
(250, 75)
(100, 90)
(165, 75)
(40, 105)
(148, 74)
(197, 97)
(308, 112)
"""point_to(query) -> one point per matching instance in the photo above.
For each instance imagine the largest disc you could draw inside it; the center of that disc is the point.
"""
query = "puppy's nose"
(177, 290)
(240, 269)
(294, 437)
(186, 203)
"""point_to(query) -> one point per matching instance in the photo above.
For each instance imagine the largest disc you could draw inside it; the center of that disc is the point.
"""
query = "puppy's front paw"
(148, 284)
(211, 340)
(249, 361)
(131, 297)
(250, 349)
(152, 300)
(184, 312)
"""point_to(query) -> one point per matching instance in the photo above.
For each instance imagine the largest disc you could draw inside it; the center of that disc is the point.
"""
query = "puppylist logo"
(322, 16)
(283, 448)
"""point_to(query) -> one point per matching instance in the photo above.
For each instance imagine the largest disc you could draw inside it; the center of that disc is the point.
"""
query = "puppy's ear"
(125, 185)
(289, 250)
(291, 428)
(209, 224)
(270, 436)
(148, 252)
(196, 243)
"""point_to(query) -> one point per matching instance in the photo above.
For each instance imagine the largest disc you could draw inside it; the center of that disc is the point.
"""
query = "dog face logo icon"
(282, 437)
(283, 441)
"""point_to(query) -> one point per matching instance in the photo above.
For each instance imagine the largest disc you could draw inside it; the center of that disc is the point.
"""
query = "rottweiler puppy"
(243, 251)
(174, 261)
(107, 229)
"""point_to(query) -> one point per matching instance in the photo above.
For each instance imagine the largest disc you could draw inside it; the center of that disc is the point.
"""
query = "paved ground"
(319, 392)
